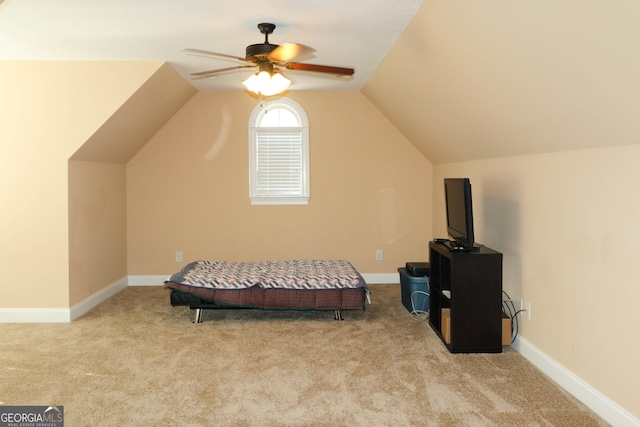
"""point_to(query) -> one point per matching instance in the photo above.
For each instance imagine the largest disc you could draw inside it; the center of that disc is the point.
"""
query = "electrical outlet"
(178, 256)
(513, 306)
(526, 309)
(379, 255)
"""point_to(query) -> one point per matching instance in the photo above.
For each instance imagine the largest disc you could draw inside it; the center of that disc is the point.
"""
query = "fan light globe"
(265, 84)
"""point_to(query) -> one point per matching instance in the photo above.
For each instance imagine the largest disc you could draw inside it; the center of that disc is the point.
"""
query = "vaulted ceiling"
(461, 79)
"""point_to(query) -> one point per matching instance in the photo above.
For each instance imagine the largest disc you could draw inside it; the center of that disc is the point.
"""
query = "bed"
(332, 285)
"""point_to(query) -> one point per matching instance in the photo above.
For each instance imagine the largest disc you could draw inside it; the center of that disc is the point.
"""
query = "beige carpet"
(137, 361)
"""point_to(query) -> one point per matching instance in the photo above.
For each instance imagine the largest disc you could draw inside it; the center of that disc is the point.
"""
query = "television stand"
(465, 302)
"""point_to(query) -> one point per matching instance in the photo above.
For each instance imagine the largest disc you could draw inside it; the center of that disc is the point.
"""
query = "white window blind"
(279, 162)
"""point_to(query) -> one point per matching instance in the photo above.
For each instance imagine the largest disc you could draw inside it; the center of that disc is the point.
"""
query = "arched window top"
(280, 112)
(278, 117)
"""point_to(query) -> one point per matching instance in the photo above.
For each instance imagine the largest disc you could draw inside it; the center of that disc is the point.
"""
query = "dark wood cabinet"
(465, 305)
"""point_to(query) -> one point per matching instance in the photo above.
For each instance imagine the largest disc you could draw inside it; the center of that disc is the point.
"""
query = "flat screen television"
(457, 193)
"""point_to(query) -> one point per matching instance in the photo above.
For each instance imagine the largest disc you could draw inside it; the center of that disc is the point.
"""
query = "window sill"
(279, 200)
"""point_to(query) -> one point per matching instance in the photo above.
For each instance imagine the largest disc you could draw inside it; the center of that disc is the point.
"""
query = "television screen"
(459, 212)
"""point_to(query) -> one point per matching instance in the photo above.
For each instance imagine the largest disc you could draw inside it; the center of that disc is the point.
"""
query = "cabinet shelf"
(467, 287)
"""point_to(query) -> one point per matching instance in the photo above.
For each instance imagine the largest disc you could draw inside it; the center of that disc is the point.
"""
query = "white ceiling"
(353, 33)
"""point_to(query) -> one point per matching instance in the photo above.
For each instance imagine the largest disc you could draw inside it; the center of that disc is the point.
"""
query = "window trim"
(298, 111)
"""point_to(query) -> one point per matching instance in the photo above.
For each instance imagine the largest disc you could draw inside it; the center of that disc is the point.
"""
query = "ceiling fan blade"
(210, 73)
(288, 51)
(209, 53)
(338, 71)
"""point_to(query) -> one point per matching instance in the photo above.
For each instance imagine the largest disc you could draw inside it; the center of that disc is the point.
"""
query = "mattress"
(291, 284)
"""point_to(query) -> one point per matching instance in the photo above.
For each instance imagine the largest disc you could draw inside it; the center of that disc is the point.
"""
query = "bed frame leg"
(198, 318)
(338, 315)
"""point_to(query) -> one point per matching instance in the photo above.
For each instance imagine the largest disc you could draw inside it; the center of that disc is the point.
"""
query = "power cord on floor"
(421, 313)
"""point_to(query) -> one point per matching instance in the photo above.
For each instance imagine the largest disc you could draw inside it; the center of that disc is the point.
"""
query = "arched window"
(279, 153)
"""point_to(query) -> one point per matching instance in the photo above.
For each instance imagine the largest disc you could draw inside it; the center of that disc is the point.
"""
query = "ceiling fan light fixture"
(267, 84)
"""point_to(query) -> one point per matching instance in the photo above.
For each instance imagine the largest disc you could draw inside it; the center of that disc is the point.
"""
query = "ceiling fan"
(268, 58)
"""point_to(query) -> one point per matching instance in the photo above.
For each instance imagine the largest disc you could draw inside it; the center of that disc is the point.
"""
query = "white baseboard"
(35, 315)
(61, 315)
(147, 280)
(98, 298)
(608, 410)
(381, 278)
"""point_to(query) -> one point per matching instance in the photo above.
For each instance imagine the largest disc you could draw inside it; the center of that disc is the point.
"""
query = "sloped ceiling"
(471, 80)
(138, 119)
(466, 80)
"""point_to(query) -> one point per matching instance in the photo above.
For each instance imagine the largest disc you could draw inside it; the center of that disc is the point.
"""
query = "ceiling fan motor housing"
(259, 52)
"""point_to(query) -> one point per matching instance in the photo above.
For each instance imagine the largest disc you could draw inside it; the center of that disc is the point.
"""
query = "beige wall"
(187, 190)
(48, 110)
(567, 224)
(97, 227)
(97, 182)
